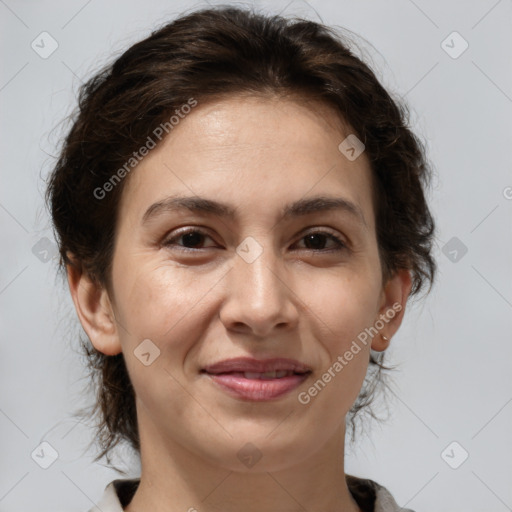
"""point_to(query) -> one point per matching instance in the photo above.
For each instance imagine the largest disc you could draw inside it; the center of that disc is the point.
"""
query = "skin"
(255, 154)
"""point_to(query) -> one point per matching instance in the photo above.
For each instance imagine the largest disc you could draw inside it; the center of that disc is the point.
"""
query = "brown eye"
(191, 239)
(317, 240)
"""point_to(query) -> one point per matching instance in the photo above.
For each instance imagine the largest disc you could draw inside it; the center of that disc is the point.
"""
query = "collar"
(369, 495)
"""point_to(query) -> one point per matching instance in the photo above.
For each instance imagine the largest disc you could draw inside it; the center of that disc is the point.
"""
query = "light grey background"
(454, 349)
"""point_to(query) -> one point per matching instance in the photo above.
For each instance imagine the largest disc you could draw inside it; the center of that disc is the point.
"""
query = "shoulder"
(371, 496)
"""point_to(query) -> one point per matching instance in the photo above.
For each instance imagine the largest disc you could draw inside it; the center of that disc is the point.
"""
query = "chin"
(254, 451)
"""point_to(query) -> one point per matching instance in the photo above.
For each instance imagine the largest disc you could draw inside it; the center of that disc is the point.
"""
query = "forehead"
(253, 153)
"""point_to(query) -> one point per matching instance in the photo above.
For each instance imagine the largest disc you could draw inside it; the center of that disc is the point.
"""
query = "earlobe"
(94, 310)
(394, 298)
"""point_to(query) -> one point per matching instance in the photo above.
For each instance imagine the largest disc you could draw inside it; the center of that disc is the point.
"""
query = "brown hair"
(217, 52)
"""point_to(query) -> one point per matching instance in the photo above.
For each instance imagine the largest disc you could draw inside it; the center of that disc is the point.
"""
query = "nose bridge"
(257, 272)
(256, 295)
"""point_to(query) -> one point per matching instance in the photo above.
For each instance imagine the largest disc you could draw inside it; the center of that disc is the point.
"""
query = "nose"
(259, 297)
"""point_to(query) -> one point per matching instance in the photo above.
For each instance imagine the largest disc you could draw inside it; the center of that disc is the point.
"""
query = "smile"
(255, 380)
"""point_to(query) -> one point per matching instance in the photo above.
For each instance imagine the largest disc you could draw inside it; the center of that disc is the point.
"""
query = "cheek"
(343, 307)
(344, 303)
(162, 302)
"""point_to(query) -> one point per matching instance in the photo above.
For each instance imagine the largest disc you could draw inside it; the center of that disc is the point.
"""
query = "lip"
(229, 376)
(249, 364)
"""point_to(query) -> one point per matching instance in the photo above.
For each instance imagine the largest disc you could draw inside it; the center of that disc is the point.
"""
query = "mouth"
(257, 380)
(279, 374)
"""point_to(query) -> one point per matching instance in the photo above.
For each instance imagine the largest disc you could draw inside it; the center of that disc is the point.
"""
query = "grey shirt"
(369, 495)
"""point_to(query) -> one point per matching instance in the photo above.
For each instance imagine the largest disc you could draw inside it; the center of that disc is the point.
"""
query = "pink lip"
(248, 364)
(229, 375)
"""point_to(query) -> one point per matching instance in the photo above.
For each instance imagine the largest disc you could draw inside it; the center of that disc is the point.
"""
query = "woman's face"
(249, 282)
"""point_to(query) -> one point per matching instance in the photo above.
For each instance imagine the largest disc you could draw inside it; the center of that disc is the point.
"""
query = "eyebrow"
(298, 208)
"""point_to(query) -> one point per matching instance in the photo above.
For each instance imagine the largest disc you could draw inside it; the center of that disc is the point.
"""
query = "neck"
(175, 480)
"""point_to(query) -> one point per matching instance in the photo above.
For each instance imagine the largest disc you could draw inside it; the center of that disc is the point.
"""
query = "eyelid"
(341, 243)
(185, 231)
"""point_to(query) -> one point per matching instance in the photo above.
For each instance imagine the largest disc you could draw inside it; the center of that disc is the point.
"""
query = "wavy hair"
(215, 53)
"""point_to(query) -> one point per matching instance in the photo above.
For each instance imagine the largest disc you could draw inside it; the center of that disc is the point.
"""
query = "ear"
(392, 307)
(94, 310)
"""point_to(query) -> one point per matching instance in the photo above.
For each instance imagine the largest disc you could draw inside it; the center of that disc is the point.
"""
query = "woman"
(241, 215)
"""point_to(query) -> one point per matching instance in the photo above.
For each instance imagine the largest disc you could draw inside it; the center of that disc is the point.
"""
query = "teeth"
(252, 375)
(268, 375)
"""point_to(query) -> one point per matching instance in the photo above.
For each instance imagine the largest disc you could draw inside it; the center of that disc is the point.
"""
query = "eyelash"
(341, 246)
